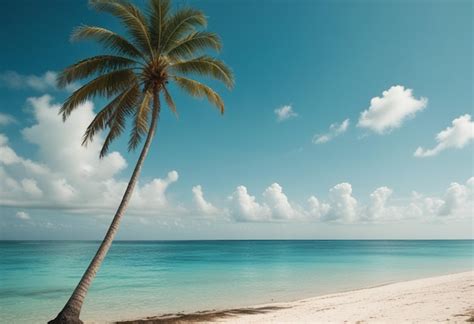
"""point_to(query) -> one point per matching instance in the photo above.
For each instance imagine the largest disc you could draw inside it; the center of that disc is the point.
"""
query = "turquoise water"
(151, 278)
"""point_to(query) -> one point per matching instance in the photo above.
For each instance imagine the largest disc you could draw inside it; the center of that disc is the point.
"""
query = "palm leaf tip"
(61, 80)
(182, 22)
(93, 65)
(199, 90)
(158, 13)
(108, 39)
(170, 102)
(132, 19)
(195, 42)
(206, 66)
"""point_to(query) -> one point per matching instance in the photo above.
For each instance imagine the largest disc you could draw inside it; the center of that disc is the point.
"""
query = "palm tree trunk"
(71, 311)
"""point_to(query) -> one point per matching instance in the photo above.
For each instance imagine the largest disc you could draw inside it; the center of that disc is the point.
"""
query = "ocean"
(142, 278)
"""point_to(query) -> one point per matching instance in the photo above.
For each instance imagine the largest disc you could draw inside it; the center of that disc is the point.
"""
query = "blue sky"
(322, 60)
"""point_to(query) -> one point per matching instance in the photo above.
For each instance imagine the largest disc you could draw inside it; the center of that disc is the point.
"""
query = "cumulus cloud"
(335, 130)
(152, 194)
(378, 208)
(422, 207)
(317, 210)
(285, 113)
(456, 136)
(68, 175)
(278, 203)
(23, 215)
(388, 112)
(458, 199)
(202, 205)
(6, 119)
(42, 83)
(342, 207)
(246, 208)
(275, 205)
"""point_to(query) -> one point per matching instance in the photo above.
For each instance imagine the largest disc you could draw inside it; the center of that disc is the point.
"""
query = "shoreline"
(432, 299)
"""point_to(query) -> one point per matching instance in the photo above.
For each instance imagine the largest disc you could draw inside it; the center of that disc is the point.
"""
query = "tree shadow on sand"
(203, 316)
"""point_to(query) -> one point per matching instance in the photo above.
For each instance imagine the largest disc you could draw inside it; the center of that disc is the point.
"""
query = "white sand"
(448, 298)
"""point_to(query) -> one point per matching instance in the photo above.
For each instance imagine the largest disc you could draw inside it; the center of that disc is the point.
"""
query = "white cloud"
(278, 203)
(59, 143)
(6, 119)
(42, 83)
(30, 186)
(246, 208)
(422, 207)
(317, 209)
(388, 112)
(458, 199)
(343, 206)
(335, 130)
(378, 208)
(275, 205)
(202, 205)
(456, 136)
(285, 113)
(153, 193)
(68, 175)
(23, 215)
(3, 141)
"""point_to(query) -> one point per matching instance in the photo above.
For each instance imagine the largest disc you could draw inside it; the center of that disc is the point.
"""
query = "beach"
(447, 298)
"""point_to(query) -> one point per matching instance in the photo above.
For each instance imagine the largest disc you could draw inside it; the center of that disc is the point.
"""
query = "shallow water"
(155, 277)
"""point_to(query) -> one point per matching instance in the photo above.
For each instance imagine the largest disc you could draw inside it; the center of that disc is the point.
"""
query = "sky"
(349, 119)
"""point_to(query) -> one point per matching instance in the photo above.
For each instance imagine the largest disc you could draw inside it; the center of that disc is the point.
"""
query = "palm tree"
(163, 46)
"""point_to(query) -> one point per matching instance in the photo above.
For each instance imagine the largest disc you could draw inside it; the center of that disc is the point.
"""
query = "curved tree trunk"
(71, 311)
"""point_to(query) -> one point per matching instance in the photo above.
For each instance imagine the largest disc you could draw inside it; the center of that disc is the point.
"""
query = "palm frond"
(140, 123)
(206, 66)
(105, 85)
(194, 43)
(127, 98)
(116, 129)
(116, 122)
(158, 13)
(108, 39)
(179, 24)
(89, 66)
(169, 101)
(132, 18)
(199, 90)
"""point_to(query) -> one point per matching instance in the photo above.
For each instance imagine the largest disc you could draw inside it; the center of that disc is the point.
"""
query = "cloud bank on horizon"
(342, 207)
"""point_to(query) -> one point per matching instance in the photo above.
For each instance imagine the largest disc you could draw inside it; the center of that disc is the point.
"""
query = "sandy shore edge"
(447, 298)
